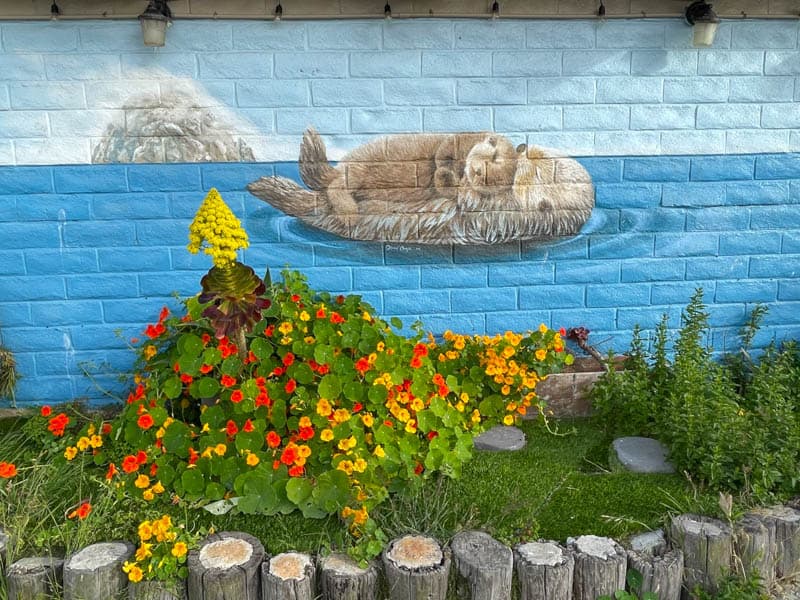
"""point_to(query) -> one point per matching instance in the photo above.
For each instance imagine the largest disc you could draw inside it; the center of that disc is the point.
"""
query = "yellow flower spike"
(217, 227)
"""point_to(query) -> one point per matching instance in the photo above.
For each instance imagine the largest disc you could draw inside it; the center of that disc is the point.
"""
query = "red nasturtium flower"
(153, 331)
(362, 365)
(186, 378)
(289, 455)
(106, 428)
(416, 362)
(141, 457)
(306, 433)
(288, 359)
(237, 396)
(248, 426)
(336, 318)
(81, 512)
(296, 471)
(112, 470)
(145, 421)
(418, 469)
(58, 424)
(290, 386)
(273, 439)
(204, 368)
(7, 470)
(46, 411)
(130, 464)
(231, 428)
(227, 381)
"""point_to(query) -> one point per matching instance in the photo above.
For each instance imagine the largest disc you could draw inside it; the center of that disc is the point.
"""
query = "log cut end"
(98, 556)
(342, 564)
(415, 552)
(542, 553)
(596, 546)
(225, 554)
(289, 565)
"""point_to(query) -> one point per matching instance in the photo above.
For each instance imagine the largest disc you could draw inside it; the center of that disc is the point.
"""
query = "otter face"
(490, 165)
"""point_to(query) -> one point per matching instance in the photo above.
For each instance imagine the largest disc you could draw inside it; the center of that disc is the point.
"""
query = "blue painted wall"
(693, 154)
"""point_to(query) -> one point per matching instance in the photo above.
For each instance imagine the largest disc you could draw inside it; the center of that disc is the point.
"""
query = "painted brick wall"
(693, 154)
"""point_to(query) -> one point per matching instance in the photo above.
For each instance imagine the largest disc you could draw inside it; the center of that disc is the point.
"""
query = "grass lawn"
(558, 486)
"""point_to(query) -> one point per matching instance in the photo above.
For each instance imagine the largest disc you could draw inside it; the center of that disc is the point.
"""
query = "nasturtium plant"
(282, 398)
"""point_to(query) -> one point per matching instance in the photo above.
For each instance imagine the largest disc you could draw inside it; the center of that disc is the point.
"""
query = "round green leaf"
(207, 387)
(193, 482)
(330, 387)
(298, 489)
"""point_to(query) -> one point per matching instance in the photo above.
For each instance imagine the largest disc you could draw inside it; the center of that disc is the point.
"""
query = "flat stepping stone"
(640, 455)
(500, 438)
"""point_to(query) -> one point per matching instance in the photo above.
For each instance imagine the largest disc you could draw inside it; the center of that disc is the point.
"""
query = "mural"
(463, 188)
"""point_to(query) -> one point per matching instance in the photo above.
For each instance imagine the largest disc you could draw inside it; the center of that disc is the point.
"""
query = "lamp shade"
(704, 33)
(155, 20)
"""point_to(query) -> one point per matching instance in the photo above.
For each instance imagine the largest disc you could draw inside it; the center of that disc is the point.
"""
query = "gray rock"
(174, 129)
(500, 438)
(640, 455)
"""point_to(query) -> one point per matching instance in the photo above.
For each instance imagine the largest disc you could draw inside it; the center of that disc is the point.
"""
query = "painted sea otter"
(464, 188)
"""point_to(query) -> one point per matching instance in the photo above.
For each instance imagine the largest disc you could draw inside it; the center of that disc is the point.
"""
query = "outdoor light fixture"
(278, 12)
(387, 12)
(601, 10)
(155, 19)
(495, 10)
(55, 12)
(704, 21)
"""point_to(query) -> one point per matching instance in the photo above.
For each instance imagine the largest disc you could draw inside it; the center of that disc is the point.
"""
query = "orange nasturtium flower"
(145, 421)
(7, 470)
(81, 512)
(46, 411)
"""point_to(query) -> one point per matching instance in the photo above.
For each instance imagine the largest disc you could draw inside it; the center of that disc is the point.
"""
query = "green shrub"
(734, 424)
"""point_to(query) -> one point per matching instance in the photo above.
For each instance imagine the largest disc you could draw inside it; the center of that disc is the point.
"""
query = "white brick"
(418, 34)
(457, 119)
(630, 89)
(631, 34)
(526, 64)
(587, 62)
(386, 120)
(386, 64)
(6, 152)
(324, 120)
(696, 89)
(664, 62)
(693, 142)
(83, 123)
(781, 116)
(619, 143)
(731, 62)
(456, 64)
(419, 91)
(662, 116)
(344, 35)
(749, 141)
(561, 90)
(22, 124)
(764, 34)
(779, 62)
(679, 35)
(116, 94)
(730, 116)
(310, 65)
(82, 67)
(527, 118)
(111, 36)
(47, 95)
(490, 33)
(491, 91)
(53, 151)
(235, 65)
(270, 35)
(761, 89)
(572, 143)
(346, 92)
(55, 36)
(561, 34)
(596, 118)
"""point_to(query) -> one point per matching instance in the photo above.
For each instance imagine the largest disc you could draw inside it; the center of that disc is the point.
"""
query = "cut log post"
(600, 566)
(288, 576)
(651, 542)
(35, 578)
(3, 547)
(662, 572)
(484, 567)
(786, 523)
(226, 565)
(754, 548)
(95, 573)
(342, 579)
(707, 546)
(544, 571)
(157, 590)
(416, 568)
